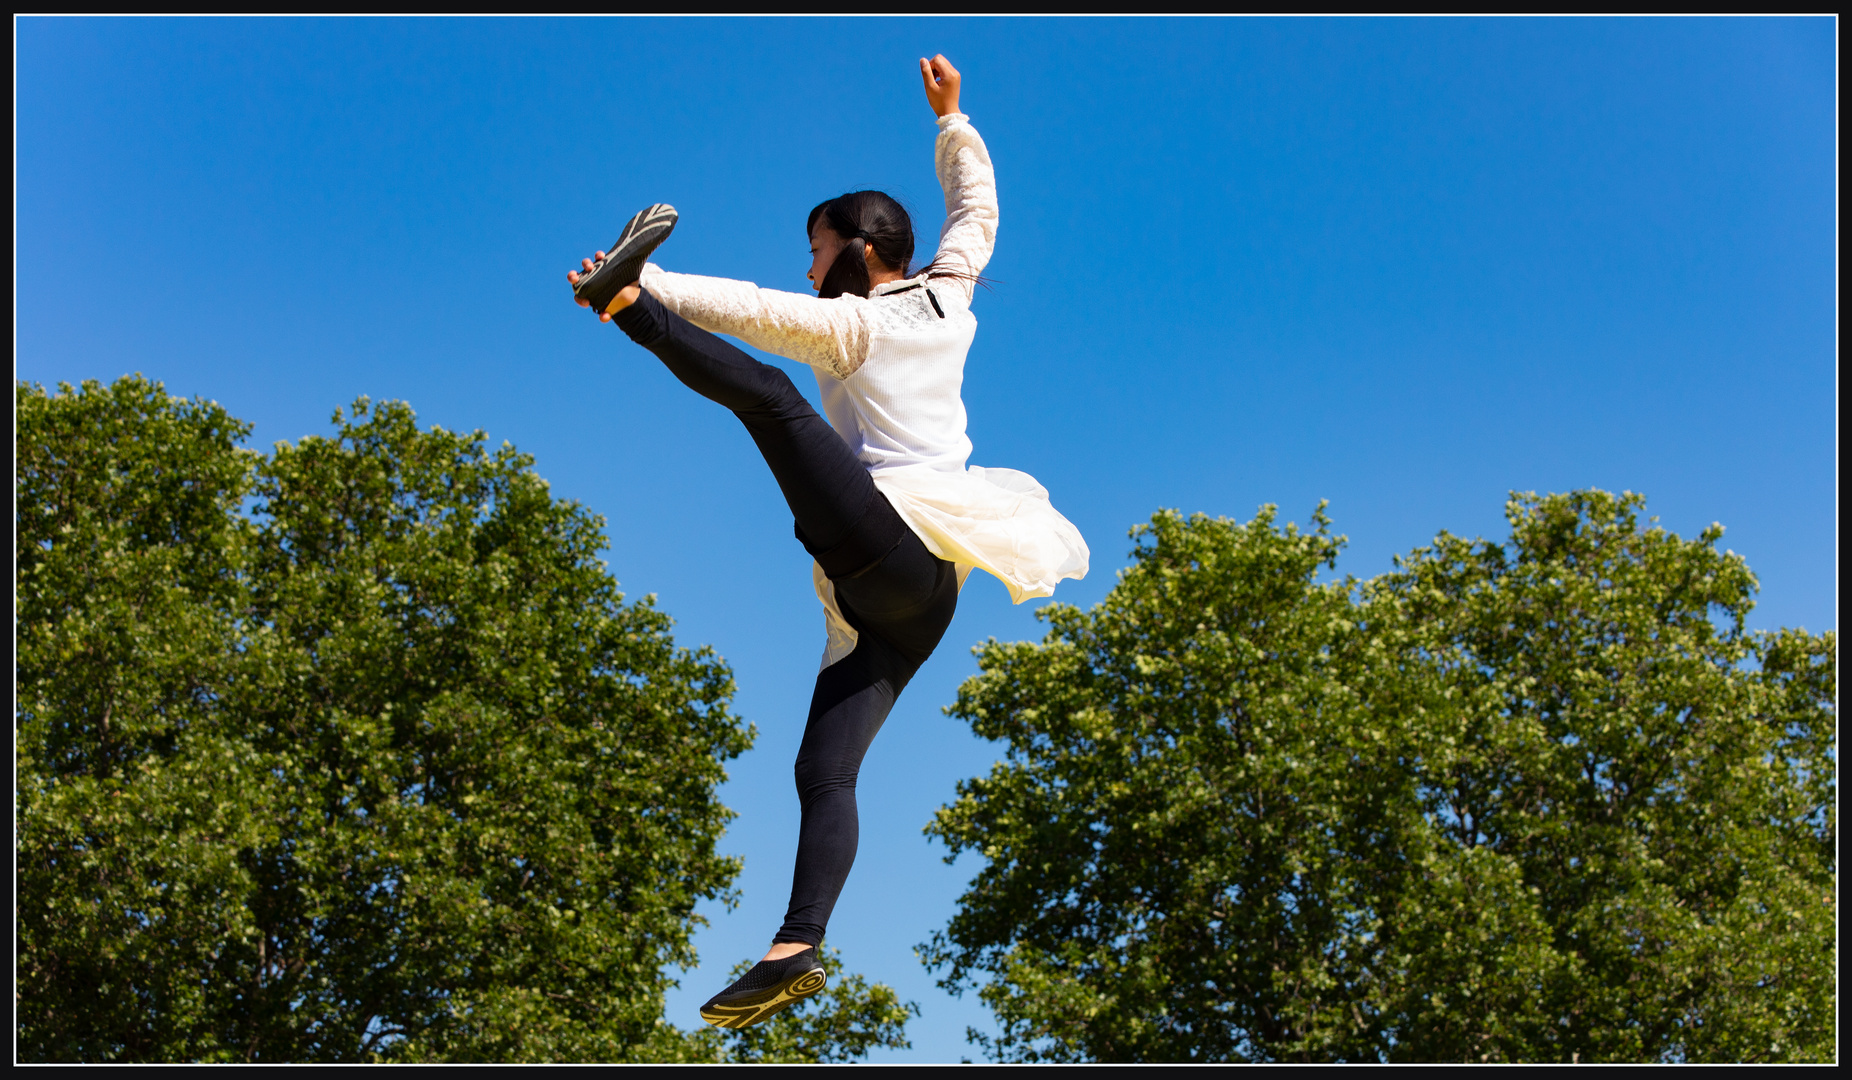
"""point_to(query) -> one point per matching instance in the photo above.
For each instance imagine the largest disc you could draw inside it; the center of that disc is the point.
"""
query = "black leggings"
(898, 596)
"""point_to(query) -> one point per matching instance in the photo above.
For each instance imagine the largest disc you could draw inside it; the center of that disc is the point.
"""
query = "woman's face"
(825, 245)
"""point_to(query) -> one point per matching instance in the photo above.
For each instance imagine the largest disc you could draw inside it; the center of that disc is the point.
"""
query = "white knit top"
(891, 367)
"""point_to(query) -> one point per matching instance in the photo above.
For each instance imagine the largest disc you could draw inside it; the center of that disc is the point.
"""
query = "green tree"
(348, 752)
(1538, 800)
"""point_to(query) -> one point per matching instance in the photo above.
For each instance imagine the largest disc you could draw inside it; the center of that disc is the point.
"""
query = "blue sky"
(1407, 266)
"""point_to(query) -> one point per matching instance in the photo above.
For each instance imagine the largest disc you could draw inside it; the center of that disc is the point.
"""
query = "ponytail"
(848, 275)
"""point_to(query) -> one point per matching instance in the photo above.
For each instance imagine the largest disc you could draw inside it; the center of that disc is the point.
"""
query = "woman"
(881, 494)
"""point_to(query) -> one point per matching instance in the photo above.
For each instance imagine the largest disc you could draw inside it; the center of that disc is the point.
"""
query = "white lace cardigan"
(891, 366)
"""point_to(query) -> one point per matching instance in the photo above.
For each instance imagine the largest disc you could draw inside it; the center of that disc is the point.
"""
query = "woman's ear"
(875, 263)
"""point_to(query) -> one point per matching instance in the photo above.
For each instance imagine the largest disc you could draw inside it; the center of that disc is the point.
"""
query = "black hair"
(866, 219)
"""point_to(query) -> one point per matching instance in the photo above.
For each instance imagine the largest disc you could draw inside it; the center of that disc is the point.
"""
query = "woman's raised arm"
(965, 173)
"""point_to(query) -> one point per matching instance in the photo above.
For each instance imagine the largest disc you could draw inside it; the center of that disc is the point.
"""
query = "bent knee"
(816, 782)
(772, 395)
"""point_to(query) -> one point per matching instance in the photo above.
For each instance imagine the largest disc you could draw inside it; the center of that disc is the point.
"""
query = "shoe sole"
(623, 260)
(766, 1003)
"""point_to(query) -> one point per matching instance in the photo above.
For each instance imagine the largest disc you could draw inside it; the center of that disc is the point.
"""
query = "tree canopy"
(352, 751)
(1540, 800)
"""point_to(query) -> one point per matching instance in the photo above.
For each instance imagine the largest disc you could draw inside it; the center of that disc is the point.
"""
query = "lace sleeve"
(829, 335)
(970, 232)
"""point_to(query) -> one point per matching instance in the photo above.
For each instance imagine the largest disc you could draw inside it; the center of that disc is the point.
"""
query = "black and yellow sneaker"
(624, 259)
(769, 987)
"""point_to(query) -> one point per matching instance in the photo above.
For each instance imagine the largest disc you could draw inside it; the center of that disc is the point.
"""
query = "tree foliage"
(352, 751)
(1544, 799)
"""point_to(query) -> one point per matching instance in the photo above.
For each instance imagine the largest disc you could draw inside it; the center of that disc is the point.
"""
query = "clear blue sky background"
(1406, 266)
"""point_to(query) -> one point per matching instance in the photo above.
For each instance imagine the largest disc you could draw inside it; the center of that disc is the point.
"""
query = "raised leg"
(828, 490)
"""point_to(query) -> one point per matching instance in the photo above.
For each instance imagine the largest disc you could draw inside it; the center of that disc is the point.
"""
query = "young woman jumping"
(882, 497)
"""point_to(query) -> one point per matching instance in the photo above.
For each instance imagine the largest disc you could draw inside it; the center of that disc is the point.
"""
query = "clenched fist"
(941, 80)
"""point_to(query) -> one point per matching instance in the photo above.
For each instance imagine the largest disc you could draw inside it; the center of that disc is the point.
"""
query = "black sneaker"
(769, 987)
(624, 259)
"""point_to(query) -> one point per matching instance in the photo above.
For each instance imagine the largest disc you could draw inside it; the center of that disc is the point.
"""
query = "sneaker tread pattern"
(749, 1009)
(624, 259)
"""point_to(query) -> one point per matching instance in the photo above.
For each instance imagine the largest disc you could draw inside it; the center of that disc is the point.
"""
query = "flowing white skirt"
(996, 520)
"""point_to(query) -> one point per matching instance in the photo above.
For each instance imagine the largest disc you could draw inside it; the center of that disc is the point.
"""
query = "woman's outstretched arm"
(829, 335)
(965, 173)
